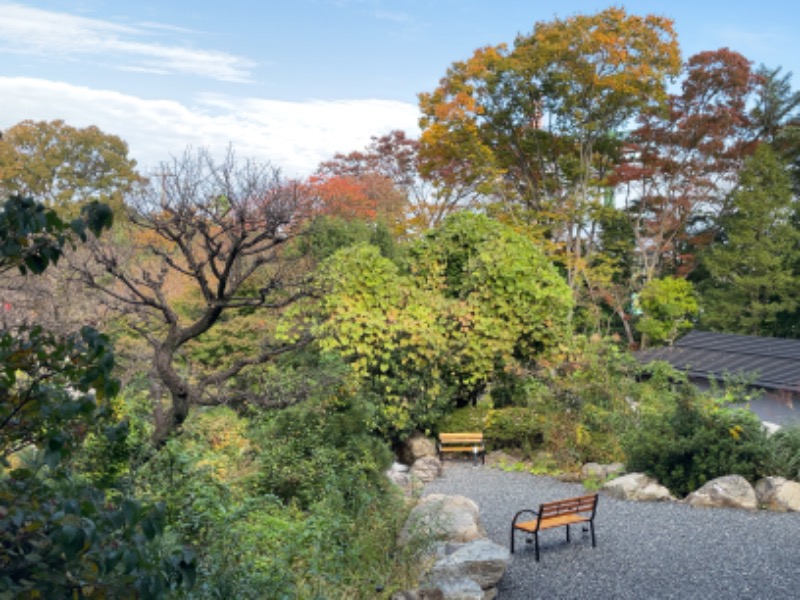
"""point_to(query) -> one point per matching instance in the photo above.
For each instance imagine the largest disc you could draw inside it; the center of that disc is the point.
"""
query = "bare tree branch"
(213, 232)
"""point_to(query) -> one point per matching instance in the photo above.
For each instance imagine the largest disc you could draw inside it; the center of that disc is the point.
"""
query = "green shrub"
(306, 451)
(691, 439)
(516, 428)
(467, 418)
(784, 453)
(285, 504)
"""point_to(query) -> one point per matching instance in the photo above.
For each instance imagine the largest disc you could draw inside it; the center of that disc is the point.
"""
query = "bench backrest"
(579, 504)
(461, 438)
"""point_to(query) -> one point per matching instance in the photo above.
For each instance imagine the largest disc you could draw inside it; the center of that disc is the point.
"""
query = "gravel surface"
(645, 550)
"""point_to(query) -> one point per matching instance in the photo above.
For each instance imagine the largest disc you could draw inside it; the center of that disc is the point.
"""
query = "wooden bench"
(462, 442)
(561, 513)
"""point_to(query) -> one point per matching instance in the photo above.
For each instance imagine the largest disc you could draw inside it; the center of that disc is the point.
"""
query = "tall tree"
(534, 126)
(681, 164)
(64, 166)
(214, 232)
(751, 267)
(777, 117)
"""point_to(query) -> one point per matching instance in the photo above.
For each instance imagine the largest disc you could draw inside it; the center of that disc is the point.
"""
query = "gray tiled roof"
(774, 363)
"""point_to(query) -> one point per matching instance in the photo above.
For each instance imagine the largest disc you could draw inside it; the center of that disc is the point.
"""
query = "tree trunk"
(171, 417)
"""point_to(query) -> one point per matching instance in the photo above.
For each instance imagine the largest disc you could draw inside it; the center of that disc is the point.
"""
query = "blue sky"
(294, 81)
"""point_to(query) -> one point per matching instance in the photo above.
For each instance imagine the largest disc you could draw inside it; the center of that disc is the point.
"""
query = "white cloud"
(295, 136)
(25, 30)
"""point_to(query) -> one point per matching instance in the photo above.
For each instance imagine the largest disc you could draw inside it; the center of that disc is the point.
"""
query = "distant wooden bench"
(471, 443)
(561, 513)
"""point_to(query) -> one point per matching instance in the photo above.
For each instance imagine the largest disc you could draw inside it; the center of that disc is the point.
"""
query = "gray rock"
(778, 494)
(731, 491)
(446, 518)
(637, 486)
(416, 447)
(410, 486)
(426, 469)
(482, 561)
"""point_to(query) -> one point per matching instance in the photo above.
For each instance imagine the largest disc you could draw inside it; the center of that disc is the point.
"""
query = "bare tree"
(216, 229)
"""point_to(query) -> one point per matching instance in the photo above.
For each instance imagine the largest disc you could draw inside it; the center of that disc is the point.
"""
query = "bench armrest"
(523, 511)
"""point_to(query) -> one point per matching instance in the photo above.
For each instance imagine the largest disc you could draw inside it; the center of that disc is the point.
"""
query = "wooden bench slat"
(469, 442)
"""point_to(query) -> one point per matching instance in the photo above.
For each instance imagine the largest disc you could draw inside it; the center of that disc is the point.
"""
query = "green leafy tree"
(750, 269)
(478, 300)
(669, 307)
(517, 304)
(65, 167)
(393, 334)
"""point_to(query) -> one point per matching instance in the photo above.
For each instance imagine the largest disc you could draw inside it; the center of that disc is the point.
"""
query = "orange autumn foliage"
(343, 196)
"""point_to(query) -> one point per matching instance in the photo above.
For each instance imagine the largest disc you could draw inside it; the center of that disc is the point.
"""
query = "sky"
(292, 82)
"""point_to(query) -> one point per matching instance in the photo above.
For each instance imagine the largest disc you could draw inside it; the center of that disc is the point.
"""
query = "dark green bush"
(467, 418)
(310, 450)
(515, 428)
(691, 440)
(784, 453)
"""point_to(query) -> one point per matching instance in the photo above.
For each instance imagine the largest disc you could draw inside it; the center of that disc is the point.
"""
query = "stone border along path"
(645, 550)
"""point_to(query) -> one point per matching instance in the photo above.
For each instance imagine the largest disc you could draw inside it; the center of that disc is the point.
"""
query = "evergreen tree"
(750, 268)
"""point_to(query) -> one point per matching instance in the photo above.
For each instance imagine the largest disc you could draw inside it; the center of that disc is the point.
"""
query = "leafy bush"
(286, 504)
(507, 428)
(784, 453)
(585, 404)
(466, 418)
(691, 439)
(310, 450)
(62, 531)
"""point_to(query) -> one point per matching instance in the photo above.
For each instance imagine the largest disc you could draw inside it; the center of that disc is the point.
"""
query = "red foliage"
(342, 196)
(680, 166)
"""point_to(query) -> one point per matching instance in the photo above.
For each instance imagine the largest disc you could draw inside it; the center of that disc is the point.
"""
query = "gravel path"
(645, 550)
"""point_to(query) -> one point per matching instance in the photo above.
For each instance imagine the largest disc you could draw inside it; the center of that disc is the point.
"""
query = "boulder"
(637, 486)
(731, 491)
(426, 469)
(416, 447)
(481, 561)
(399, 475)
(779, 494)
(601, 472)
(446, 518)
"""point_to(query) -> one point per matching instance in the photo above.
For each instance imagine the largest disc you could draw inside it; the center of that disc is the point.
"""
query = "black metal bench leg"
(536, 544)
(568, 540)
(591, 528)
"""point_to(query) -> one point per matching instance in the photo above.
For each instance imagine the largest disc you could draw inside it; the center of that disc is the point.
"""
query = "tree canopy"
(64, 166)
